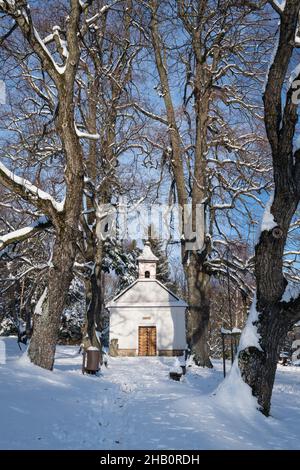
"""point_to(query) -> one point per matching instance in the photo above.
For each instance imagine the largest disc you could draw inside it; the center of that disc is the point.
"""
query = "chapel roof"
(147, 254)
(146, 293)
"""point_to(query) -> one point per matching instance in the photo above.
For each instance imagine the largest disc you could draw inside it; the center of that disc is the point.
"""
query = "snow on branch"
(40, 307)
(101, 12)
(268, 222)
(86, 135)
(59, 69)
(61, 46)
(278, 5)
(24, 233)
(292, 292)
(250, 336)
(235, 269)
(29, 192)
(90, 23)
(20, 12)
(144, 111)
(7, 3)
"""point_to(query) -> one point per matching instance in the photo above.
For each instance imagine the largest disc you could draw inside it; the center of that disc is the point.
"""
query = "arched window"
(147, 274)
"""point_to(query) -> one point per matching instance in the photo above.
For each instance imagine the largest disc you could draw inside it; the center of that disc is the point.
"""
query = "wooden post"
(223, 347)
(231, 349)
(83, 361)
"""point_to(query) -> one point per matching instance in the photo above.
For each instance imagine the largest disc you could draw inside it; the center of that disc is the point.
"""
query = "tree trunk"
(46, 325)
(258, 367)
(198, 283)
(274, 317)
(28, 320)
(94, 302)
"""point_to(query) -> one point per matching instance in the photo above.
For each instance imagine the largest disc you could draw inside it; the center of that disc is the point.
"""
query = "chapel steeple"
(147, 262)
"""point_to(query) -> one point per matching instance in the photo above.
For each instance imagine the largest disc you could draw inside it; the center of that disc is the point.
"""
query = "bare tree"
(64, 216)
(107, 64)
(211, 46)
(276, 306)
(107, 50)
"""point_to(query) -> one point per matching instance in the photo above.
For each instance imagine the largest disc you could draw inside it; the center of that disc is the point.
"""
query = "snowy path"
(134, 405)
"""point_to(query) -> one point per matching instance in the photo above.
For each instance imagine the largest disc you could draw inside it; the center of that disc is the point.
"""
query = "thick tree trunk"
(258, 367)
(274, 316)
(198, 283)
(46, 324)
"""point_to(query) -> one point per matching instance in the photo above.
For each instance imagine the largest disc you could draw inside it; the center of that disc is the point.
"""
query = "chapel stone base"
(134, 352)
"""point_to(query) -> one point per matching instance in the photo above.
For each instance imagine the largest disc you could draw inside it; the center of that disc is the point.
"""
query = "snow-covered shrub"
(73, 316)
(8, 327)
(70, 330)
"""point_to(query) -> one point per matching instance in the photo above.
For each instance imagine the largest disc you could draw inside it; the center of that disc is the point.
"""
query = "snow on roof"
(147, 254)
(141, 297)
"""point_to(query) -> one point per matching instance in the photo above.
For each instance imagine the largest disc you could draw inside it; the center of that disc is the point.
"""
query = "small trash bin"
(91, 360)
(175, 376)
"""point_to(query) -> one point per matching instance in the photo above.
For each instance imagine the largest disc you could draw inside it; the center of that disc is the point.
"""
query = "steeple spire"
(147, 262)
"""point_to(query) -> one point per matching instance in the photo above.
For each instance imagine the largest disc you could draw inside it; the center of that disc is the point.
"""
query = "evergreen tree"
(121, 258)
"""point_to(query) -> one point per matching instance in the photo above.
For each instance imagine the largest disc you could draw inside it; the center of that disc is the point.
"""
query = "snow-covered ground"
(134, 405)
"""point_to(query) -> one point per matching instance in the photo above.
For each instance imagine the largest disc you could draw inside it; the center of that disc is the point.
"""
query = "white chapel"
(147, 319)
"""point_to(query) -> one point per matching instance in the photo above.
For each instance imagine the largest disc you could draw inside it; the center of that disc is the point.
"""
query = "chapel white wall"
(169, 321)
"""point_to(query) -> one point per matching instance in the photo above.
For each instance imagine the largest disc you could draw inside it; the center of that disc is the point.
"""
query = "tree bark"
(258, 367)
(275, 317)
(94, 301)
(199, 308)
(46, 325)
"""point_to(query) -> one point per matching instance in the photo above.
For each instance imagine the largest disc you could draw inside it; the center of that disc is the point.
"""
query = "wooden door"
(147, 340)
